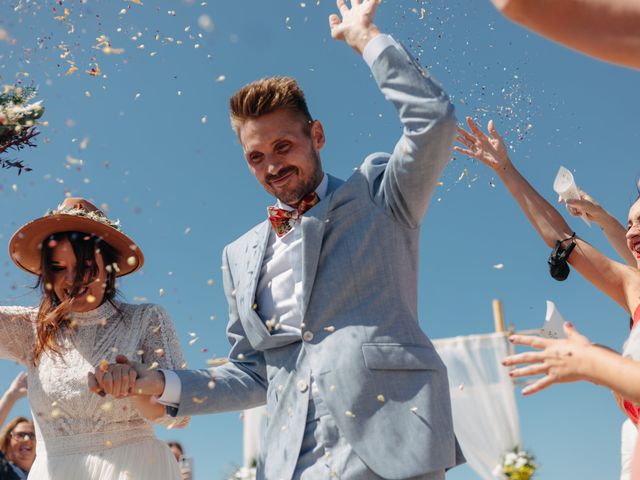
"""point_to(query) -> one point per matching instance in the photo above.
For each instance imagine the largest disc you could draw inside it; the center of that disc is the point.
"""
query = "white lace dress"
(80, 435)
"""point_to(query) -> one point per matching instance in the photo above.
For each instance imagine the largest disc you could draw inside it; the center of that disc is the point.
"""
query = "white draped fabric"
(629, 436)
(485, 415)
(254, 421)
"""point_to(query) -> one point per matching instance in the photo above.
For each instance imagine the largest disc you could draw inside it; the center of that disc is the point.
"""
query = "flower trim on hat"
(79, 212)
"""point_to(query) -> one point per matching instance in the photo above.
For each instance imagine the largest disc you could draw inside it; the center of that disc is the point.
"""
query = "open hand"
(18, 387)
(559, 360)
(356, 26)
(489, 150)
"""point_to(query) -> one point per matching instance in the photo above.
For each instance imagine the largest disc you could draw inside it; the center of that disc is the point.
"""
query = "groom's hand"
(149, 381)
(356, 26)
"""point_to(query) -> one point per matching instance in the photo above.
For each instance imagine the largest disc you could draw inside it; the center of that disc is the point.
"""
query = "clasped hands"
(125, 378)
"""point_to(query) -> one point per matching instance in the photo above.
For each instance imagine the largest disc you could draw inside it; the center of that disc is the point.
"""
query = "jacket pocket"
(397, 356)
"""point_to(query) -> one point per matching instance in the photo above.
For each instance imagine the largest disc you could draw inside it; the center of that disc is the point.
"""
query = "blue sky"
(156, 147)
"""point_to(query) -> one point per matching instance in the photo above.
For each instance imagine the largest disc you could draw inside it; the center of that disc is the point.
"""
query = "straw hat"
(73, 215)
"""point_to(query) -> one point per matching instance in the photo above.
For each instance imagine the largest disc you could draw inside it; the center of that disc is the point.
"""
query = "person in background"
(613, 230)
(618, 281)
(615, 233)
(575, 358)
(605, 29)
(185, 463)
(176, 449)
(17, 438)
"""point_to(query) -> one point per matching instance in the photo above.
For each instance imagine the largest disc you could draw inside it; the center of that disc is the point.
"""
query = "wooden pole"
(498, 318)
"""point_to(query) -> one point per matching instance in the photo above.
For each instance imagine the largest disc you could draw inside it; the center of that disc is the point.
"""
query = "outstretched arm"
(401, 183)
(573, 359)
(238, 384)
(612, 228)
(620, 282)
(606, 29)
(16, 391)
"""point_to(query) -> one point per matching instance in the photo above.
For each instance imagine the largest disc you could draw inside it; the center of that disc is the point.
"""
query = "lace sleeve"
(160, 348)
(16, 333)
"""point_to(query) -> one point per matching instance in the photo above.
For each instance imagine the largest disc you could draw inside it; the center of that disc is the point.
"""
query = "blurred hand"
(587, 206)
(356, 26)
(18, 387)
(489, 150)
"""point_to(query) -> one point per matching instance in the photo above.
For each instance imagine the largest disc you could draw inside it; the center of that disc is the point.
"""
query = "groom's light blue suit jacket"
(375, 369)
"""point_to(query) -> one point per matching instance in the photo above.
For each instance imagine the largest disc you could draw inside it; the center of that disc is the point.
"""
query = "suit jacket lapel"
(256, 246)
(255, 253)
(313, 223)
(255, 329)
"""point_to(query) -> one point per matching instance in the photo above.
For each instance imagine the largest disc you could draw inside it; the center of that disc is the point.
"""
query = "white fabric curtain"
(485, 415)
(255, 421)
(629, 434)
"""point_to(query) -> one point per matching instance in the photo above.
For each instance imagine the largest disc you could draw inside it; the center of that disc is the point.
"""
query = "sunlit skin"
(633, 231)
(63, 261)
(282, 156)
(574, 358)
(22, 451)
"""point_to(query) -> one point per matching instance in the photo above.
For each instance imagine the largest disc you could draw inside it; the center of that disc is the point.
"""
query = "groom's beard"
(294, 194)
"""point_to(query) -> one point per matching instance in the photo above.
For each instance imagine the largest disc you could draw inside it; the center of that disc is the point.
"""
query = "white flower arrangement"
(244, 473)
(79, 212)
(516, 465)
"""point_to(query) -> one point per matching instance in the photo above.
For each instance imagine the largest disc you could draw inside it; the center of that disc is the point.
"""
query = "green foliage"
(18, 120)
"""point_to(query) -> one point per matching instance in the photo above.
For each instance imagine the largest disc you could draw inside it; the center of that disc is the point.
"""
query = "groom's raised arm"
(404, 181)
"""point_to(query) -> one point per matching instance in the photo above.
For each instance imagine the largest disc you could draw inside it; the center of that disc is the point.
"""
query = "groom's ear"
(317, 134)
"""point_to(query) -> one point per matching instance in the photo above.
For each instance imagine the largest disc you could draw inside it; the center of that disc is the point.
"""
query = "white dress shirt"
(281, 275)
(279, 290)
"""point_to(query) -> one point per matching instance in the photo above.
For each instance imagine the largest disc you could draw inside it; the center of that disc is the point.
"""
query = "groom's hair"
(265, 96)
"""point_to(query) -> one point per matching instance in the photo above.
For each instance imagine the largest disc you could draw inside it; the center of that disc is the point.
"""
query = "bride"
(78, 328)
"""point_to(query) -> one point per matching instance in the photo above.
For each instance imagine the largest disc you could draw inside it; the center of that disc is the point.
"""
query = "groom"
(323, 296)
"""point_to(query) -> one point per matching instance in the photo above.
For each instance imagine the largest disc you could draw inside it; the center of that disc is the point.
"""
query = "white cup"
(553, 322)
(565, 186)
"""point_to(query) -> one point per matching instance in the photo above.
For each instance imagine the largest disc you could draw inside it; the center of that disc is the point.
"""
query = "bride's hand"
(116, 379)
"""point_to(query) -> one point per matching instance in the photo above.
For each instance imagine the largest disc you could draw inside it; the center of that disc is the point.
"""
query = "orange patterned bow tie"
(283, 221)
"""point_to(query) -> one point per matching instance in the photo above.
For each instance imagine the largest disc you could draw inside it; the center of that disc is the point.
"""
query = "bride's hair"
(53, 313)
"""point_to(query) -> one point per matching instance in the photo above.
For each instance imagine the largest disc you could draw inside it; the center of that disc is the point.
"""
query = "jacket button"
(307, 336)
(302, 386)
